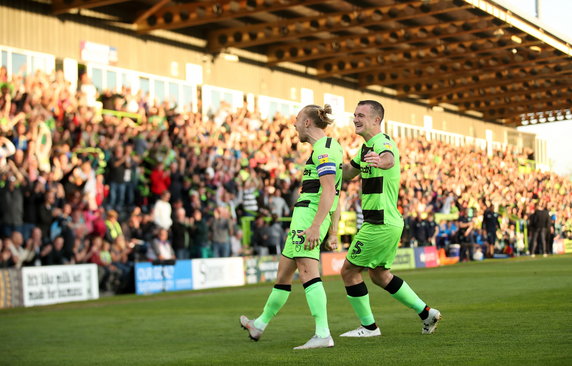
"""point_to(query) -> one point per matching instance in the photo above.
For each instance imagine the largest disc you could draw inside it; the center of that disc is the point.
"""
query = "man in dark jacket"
(200, 234)
(46, 215)
(12, 198)
(260, 236)
(491, 225)
(33, 199)
(182, 237)
(543, 223)
(532, 234)
(464, 235)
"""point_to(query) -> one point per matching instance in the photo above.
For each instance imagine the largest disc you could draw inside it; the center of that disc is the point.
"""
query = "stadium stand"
(85, 186)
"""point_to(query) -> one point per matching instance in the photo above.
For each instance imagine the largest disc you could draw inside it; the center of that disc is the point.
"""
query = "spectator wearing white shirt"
(162, 211)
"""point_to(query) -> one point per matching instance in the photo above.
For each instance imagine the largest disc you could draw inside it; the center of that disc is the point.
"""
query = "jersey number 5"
(357, 249)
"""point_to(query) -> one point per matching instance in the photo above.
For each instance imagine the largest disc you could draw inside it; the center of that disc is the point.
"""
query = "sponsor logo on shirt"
(387, 145)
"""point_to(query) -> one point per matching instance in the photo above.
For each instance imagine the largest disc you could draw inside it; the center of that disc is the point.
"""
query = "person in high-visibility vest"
(113, 228)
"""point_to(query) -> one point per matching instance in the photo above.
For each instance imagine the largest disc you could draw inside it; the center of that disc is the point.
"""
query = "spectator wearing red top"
(160, 181)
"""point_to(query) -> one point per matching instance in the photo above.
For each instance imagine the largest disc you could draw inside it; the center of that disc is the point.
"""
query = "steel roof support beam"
(384, 39)
(408, 82)
(517, 120)
(527, 108)
(524, 99)
(197, 13)
(64, 6)
(288, 29)
(152, 10)
(500, 93)
(416, 74)
(351, 64)
(436, 93)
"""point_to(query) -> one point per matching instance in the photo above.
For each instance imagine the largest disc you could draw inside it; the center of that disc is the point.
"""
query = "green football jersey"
(326, 158)
(380, 187)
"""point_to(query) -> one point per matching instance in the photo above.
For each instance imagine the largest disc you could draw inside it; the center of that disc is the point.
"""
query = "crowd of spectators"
(496, 200)
(80, 186)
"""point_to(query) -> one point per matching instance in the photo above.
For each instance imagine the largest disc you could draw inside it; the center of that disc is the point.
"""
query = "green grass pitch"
(499, 312)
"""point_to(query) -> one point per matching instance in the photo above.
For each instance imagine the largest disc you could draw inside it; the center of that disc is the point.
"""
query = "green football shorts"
(302, 218)
(374, 246)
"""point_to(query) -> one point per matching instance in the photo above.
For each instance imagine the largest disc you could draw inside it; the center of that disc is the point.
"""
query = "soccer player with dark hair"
(315, 212)
(375, 245)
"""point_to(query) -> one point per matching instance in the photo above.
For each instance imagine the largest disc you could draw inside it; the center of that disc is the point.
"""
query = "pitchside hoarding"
(159, 277)
(57, 284)
(558, 247)
(218, 272)
(261, 269)
(405, 259)
(332, 263)
(568, 246)
(426, 257)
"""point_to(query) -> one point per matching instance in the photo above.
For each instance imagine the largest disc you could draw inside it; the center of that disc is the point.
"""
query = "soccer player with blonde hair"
(315, 213)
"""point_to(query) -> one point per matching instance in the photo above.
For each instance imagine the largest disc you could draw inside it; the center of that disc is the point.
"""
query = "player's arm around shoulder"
(385, 160)
(350, 170)
(382, 156)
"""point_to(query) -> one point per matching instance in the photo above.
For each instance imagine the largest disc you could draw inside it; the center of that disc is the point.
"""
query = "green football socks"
(276, 300)
(359, 299)
(401, 291)
(317, 302)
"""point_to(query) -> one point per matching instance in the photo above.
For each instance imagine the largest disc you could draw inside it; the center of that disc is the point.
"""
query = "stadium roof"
(471, 56)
